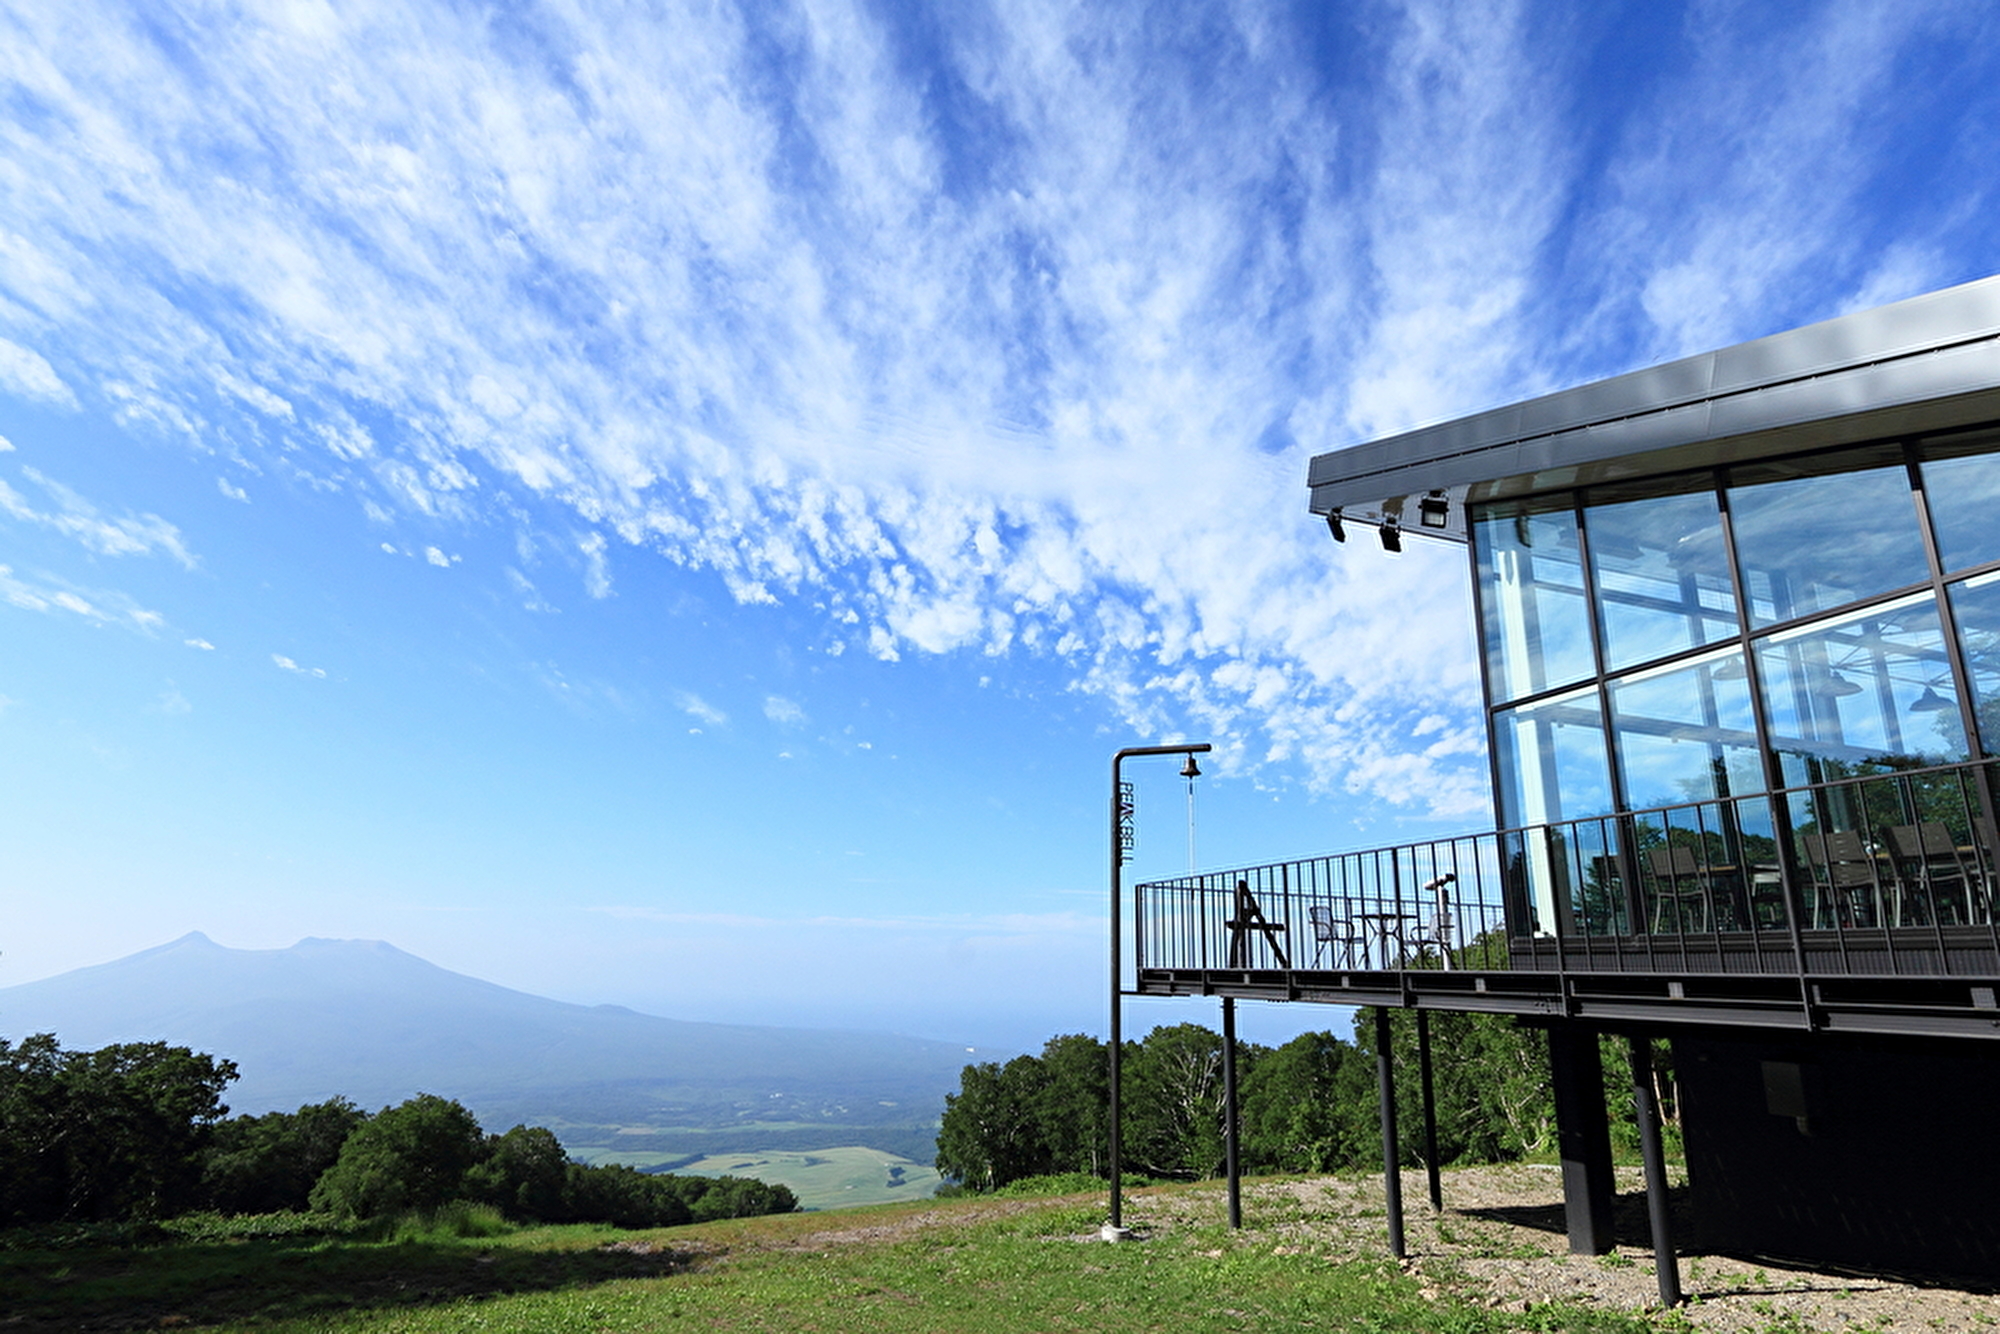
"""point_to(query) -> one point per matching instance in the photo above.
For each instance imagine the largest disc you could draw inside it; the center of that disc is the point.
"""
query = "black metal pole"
(1392, 1172)
(1229, 1118)
(1117, 1028)
(1666, 1263)
(1117, 1018)
(1430, 1111)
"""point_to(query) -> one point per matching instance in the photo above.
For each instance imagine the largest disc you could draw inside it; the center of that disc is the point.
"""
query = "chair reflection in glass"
(1680, 891)
(1933, 871)
(1329, 930)
(1844, 876)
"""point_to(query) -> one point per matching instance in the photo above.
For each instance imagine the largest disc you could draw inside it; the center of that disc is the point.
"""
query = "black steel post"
(1117, 1028)
(1229, 1118)
(1392, 1172)
(1430, 1111)
(1116, 1163)
(1231, 1121)
(1666, 1263)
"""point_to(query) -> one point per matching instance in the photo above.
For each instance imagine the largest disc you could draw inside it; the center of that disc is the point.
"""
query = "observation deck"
(1863, 904)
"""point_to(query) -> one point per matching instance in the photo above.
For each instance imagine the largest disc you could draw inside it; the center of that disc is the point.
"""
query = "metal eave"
(1927, 364)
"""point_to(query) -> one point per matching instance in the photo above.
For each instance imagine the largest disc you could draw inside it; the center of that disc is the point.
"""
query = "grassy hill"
(1311, 1256)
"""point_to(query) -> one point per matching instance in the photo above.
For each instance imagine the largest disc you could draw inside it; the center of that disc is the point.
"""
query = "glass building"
(1738, 618)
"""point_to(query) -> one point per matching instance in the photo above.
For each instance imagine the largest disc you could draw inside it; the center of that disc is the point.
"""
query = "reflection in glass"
(1963, 495)
(1531, 599)
(1976, 604)
(1686, 733)
(1809, 544)
(1552, 761)
(1855, 695)
(1662, 576)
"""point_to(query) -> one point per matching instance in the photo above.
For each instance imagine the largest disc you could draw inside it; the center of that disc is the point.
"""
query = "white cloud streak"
(78, 519)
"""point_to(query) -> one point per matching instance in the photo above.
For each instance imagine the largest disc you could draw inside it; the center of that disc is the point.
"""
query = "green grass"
(974, 1265)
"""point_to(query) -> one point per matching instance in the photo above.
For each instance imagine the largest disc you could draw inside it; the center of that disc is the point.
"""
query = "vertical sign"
(1127, 825)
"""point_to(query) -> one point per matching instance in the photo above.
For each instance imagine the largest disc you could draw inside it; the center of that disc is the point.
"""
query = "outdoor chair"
(1844, 873)
(1931, 869)
(1438, 933)
(1680, 890)
(1329, 931)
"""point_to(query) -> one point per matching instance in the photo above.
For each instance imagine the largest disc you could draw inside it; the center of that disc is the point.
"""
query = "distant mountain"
(368, 1021)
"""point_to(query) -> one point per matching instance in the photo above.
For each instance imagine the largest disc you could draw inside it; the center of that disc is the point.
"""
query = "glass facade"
(1711, 659)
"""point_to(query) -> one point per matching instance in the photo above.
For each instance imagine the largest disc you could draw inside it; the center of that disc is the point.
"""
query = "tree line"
(138, 1131)
(1310, 1105)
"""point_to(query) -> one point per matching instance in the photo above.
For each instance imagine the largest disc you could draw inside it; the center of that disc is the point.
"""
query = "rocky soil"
(1500, 1240)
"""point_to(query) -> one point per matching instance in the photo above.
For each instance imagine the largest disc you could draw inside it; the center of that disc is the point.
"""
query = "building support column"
(1583, 1132)
(1231, 1122)
(1430, 1111)
(1392, 1171)
(1666, 1263)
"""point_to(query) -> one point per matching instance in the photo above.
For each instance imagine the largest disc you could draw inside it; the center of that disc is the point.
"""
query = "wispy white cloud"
(784, 712)
(77, 518)
(231, 490)
(26, 373)
(201, 644)
(694, 706)
(287, 664)
(103, 606)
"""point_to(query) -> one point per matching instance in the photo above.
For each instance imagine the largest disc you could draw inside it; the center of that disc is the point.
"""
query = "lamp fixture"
(1838, 685)
(1392, 535)
(1334, 526)
(1434, 511)
(1928, 702)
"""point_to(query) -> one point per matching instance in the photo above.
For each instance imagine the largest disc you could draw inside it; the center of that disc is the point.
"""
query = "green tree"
(522, 1173)
(411, 1156)
(1073, 1111)
(107, 1134)
(1291, 1108)
(269, 1163)
(991, 1132)
(1173, 1107)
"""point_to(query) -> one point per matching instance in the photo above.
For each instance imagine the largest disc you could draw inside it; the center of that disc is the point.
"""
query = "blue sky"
(678, 508)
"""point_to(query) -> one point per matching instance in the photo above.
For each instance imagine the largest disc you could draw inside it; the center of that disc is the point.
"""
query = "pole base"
(1112, 1232)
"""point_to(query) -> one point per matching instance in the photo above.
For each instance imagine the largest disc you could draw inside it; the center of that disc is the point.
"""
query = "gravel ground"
(1500, 1240)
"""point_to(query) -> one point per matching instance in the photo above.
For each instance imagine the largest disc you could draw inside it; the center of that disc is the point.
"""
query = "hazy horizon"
(678, 509)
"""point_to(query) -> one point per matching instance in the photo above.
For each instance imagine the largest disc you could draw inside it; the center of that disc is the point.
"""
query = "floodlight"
(1334, 526)
(1434, 511)
(1392, 535)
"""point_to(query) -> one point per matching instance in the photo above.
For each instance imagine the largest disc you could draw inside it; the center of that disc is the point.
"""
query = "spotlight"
(1334, 526)
(1433, 511)
(1392, 535)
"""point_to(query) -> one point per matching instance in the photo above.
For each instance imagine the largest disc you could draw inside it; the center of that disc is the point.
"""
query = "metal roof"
(1926, 364)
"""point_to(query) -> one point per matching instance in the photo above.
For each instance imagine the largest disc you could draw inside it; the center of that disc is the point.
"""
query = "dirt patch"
(1500, 1241)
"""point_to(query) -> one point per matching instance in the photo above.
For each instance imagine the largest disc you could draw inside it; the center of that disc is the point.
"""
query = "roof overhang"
(1931, 363)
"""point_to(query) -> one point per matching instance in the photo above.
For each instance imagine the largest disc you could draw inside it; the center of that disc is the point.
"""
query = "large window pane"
(1662, 576)
(1861, 694)
(1686, 733)
(1552, 761)
(1963, 493)
(1531, 599)
(1810, 544)
(1976, 605)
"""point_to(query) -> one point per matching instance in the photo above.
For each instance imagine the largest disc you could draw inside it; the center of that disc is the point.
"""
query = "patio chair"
(1932, 870)
(1329, 930)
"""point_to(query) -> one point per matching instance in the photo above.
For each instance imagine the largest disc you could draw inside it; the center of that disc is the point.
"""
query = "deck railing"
(1864, 875)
